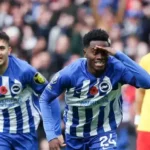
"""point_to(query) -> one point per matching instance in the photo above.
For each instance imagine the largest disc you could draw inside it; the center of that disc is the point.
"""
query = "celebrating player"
(19, 114)
(92, 88)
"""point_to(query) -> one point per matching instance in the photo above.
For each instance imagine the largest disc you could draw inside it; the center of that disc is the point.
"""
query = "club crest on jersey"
(105, 85)
(54, 78)
(39, 78)
(16, 88)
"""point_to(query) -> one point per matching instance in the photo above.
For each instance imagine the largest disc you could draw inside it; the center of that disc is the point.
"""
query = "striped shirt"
(93, 104)
(19, 111)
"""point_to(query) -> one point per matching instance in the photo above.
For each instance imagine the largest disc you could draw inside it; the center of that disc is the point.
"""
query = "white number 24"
(106, 141)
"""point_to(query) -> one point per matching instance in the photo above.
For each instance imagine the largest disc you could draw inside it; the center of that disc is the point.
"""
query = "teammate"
(19, 114)
(142, 118)
(93, 95)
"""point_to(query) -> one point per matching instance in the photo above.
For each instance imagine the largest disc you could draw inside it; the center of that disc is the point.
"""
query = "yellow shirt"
(144, 124)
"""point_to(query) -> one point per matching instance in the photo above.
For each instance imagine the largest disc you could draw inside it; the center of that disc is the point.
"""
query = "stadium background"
(48, 34)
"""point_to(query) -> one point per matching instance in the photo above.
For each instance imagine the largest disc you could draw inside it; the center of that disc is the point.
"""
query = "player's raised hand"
(110, 50)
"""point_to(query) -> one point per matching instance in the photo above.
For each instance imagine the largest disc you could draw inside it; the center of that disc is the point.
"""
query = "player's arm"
(138, 104)
(132, 73)
(57, 85)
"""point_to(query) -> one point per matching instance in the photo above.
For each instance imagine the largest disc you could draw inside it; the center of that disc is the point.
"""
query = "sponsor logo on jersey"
(16, 88)
(39, 78)
(55, 78)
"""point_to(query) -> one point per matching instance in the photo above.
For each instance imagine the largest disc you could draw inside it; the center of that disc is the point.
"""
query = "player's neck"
(95, 73)
(4, 67)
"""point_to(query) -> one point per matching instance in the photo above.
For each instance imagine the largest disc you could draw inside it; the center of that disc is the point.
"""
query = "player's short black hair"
(4, 36)
(97, 35)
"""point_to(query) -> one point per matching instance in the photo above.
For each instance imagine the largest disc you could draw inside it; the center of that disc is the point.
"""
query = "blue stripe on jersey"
(75, 120)
(36, 103)
(6, 120)
(101, 119)
(121, 101)
(19, 119)
(111, 116)
(87, 126)
(31, 120)
(115, 86)
(65, 114)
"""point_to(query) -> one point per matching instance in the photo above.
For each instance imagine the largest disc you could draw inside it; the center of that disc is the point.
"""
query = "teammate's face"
(4, 52)
(96, 58)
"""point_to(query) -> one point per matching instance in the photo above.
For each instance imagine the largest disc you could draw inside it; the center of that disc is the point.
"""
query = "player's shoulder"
(18, 63)
(75, 67)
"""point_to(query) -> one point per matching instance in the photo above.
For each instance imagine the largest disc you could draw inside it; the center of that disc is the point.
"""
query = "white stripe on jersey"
(1, 121)
(106, 125)
(82, 119)
(35, 114)
(69, 119)
(13, 121)
(5, 82)
(94, 123)
(113, 95)
(70, 99)
(69, 94)
(85, 89)
(96, 111)
(25, 117)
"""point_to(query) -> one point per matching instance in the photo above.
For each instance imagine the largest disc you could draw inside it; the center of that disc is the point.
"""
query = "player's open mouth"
(100, 63)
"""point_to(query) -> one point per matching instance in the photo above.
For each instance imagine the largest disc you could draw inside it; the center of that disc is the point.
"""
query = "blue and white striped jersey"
(93, 104)
(19, 86)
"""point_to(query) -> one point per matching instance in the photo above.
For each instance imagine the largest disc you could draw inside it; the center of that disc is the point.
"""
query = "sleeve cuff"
(51, 136)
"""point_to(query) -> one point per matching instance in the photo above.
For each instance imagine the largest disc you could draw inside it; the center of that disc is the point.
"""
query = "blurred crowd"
(48, 34)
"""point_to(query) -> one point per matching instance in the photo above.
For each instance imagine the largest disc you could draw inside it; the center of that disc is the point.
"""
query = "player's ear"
(84, 52)
(9, 50)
